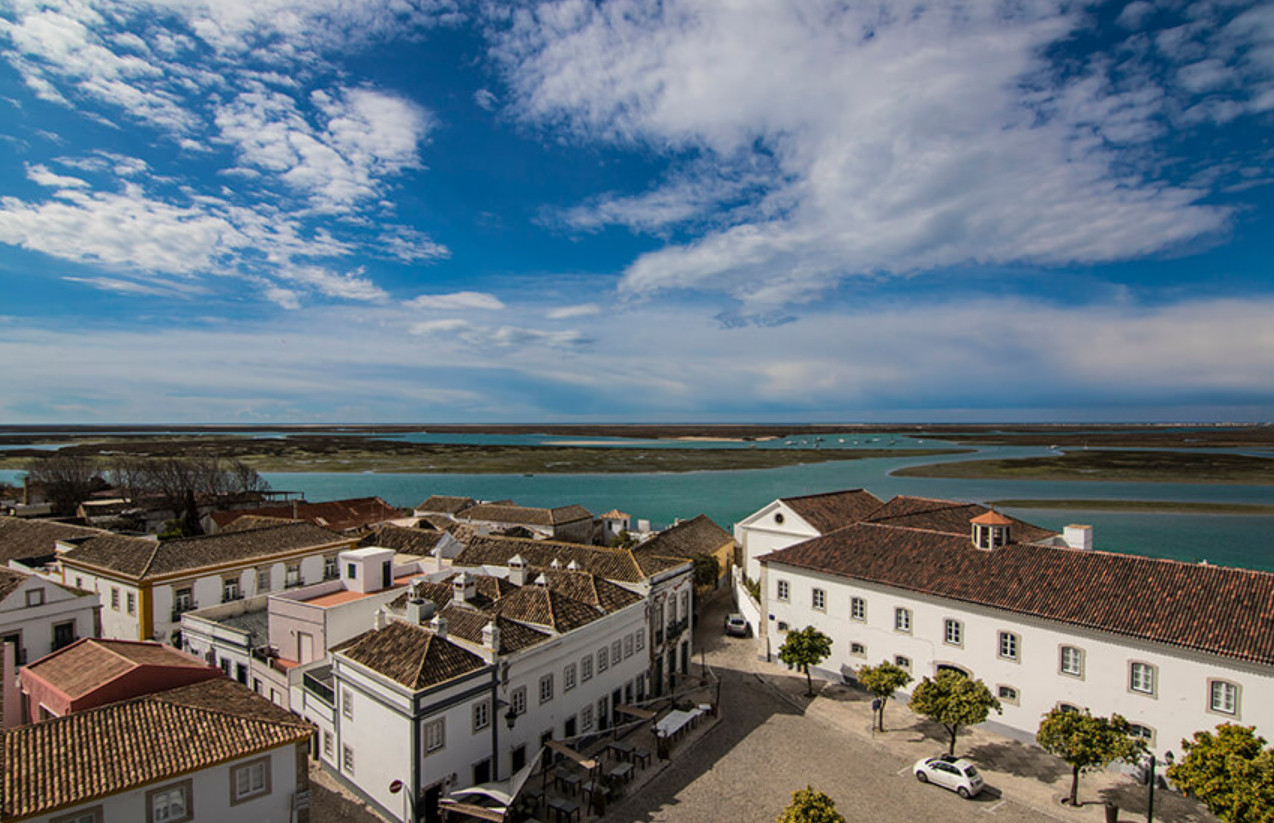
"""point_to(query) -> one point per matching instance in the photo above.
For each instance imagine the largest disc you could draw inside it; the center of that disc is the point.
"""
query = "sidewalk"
(1015, 771)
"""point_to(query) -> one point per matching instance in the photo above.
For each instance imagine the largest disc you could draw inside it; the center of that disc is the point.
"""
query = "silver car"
(736, 626)
(954, 773)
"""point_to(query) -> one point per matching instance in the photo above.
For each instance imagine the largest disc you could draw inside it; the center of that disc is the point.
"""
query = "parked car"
(736, 626)
(954, 773)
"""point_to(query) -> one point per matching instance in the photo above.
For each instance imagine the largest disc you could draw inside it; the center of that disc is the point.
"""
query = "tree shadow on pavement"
(1019, 759)
(1170, 807)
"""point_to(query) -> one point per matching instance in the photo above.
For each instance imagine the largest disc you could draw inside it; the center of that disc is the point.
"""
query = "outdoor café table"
(672, 723)
(586, 791)
(535, 796)
(563, 809)
(642, 756)
(622, 750)
(569, 782)
(624, 772)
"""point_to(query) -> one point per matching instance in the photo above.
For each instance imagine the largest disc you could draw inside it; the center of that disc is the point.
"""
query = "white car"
(954, 773)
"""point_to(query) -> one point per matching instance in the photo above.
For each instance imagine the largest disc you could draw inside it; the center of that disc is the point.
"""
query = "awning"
(562, 748)
(640, 714)
(481, 812)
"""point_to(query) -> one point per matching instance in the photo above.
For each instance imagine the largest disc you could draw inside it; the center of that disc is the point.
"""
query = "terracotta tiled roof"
(413, 656)
(615, 514)
(75, 759)
(688, 538)
(950, 516)
(9, 582)
(21, 538)
(525, 515)
(831, 510)
(338, 515)
(613, 564)
(1224, 611)
(992, 518)
(87, 664)
(409, 541)
(444, 504)
(589, 588)
(251, 521)
(541, 606)
(142, 559)
(467, 624)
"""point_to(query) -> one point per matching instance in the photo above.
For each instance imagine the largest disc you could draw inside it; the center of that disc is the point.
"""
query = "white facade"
(454, 735)
(1021, 658)
(39, 617)
(774, 527)
(209, 794)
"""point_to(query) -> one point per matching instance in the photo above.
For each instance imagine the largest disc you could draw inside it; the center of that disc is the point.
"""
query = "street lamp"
(1150, 807)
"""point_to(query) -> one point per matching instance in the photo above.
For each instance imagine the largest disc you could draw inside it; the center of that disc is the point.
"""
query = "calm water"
(729, 496)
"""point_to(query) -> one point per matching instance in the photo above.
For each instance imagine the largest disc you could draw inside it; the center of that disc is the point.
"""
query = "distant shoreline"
(1108, 465)
(1156, 506)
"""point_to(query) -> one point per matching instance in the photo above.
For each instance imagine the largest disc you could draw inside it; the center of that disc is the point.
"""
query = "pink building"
(94, 672)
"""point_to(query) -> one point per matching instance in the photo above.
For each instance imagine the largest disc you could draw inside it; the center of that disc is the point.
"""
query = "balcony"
(182, 608)
(318, 682)
(675, 629)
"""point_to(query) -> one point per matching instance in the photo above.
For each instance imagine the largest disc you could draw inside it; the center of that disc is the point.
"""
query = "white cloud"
(568, 312)
(41, 175)
(481, 337)
(349, 286)
(902, 138)
(456, 301)
(485, 99)
(409, 245)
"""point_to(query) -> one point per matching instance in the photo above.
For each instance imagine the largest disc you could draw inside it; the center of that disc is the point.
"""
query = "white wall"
(760, 533)
(210, 795)
(1178, 708)
(35, 623)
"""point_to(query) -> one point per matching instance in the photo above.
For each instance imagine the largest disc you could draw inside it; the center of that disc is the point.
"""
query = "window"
(1008, 645)
(351, 571)
(1225, 697)
(292, 577)
(952, 632)
(783, 590)
(132, 602)
(63, 634)
(347, 704)
(818, 599)
(93, 815)
(347, 758)
(1007, 693)
(250, 780)
(114, 598)
(1072, 661)
(327, 743)
(546, 688)
(329, 568)
(517, 700)
(1140, 732)
(778, 517)
(435, 735)
(616, 651)
(628, 646)
(641, 639)
(902, 620)
(568, 677)
(185, 599)
(263, 580)
(586, 668)
(685, 605)
(782, 626)
(602, 661)
(1067, 707)
(170, 804)
(229, 589)
(481, 715)
(35, 597)
(858, 649)
(586, 718)
(858, 608)
(902, 662)
(79, 582)
(1141, 678)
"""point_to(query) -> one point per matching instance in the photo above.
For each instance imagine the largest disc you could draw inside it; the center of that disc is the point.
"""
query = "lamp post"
(1150, 807)
(397, 786)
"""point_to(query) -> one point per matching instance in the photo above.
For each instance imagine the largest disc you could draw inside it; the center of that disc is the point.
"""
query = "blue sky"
(418, 211)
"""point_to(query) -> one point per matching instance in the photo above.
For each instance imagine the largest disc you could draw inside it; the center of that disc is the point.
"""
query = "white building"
(267, 641)
(146, 585)
(38, 617)
(790, 520)
(1042, 619)
(666, 583)
(470, 676)
(213, 751)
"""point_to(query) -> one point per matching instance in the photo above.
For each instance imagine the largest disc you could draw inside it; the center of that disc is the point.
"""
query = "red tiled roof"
(411, 655)
(949, 516)
(992, 518)
(89, 663)
(831, 510)
(687, 539)
(338, 515)
(1224, 611)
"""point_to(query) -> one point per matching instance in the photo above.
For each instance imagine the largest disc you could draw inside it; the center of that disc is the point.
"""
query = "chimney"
(419, 610)
(1078, 537)
(378, 620)
(542, 581)
(491, 636)
(573, 566)
(439, 626)
(556, 564)
(295, 514)
(517, 570)
(464, 588)
(26, 490)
